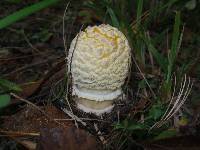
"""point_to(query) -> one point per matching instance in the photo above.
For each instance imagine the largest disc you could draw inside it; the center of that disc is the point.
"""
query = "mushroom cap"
(99, 59)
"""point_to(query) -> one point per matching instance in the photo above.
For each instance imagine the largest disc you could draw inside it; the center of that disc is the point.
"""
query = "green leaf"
(113, 17)
(174, 46)
(4, 100)
(166, 134)
(165, 90)
(139, 13)
(18, 15)
(160, 59)
(44, 35)
(118, 126)
(156, 112)
(131, 125)
(137, 126)
(9, 85)
(142, 84)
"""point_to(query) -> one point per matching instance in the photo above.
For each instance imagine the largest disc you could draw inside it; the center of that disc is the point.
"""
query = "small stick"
(30, 65)
(34, 106)
(64, 40)
(74, 117)
(16, 133)
(154, 95)
(99, 134)
(86, 119)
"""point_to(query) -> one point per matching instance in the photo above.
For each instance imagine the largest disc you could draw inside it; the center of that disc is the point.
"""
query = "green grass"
(137, 28)
(6, 87)
(27, 11)
(174, 46)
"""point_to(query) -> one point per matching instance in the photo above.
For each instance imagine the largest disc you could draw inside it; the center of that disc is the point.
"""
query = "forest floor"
(32, 55)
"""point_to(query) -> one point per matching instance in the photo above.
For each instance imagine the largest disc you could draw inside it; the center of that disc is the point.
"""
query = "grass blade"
(7, 85)
(139, 13)
(113, 17)
(161, 60)
(18, 15)
(175, 45)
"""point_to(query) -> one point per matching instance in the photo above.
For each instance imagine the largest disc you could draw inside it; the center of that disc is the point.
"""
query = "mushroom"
(98, 60)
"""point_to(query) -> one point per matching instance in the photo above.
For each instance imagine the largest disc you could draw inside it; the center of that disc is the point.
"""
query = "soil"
(49, 132)
(30, 119)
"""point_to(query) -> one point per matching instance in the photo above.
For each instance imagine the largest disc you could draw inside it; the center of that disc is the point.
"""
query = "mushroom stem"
(96, 107)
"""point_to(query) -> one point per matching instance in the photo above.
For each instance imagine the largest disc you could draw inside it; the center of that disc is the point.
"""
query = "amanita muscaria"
(98, 59)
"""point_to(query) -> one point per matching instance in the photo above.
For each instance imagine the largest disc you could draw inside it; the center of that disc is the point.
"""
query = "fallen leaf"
(70, 138)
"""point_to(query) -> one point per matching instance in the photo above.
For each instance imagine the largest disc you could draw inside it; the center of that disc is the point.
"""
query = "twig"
(16, 133)
(27, 40)
(69, 71)
(99, 134)
(34, 106)
(30, 65)
(30, 44)
(154, 95)
(86, 119)
(74, 117)
(64, 37)
(69, 75)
